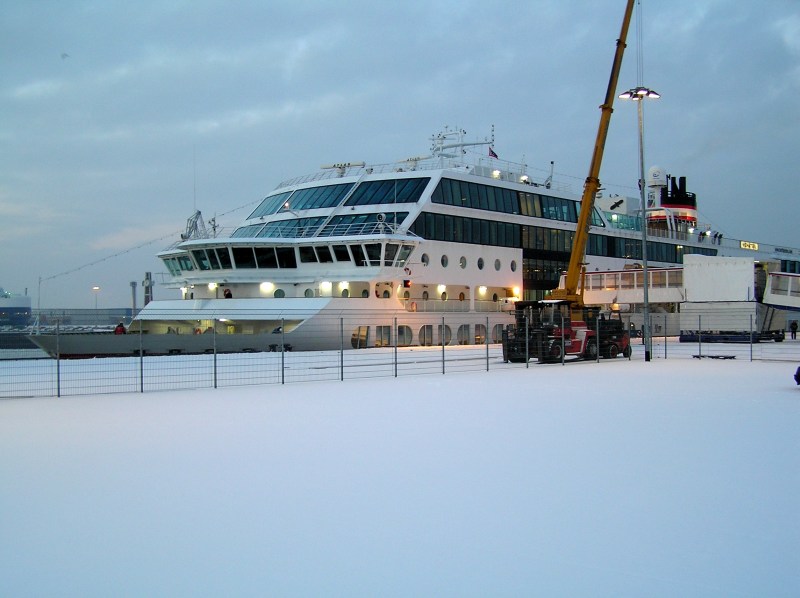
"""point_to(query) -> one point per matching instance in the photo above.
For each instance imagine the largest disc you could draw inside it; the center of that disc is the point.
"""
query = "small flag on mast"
(491, 153)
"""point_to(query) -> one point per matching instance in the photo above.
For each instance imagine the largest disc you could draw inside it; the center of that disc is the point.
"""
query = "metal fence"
(27, 372)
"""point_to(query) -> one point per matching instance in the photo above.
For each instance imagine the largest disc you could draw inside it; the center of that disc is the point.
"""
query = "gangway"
(783, 290)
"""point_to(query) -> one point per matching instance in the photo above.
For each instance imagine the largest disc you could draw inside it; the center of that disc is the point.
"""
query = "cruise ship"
(431, 250)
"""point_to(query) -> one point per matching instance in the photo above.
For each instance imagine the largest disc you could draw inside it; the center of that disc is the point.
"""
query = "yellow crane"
(576, 260)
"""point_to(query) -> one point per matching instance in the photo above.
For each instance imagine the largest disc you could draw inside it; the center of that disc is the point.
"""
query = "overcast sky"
(117, 120)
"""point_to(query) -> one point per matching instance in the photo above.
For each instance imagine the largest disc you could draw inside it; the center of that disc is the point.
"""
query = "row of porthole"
(462, 262)
(405, 336)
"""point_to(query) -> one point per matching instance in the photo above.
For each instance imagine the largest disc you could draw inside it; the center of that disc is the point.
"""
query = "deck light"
(266, 287)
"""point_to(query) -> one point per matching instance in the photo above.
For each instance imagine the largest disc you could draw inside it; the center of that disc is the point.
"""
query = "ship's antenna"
(548, 182)
(194, 177)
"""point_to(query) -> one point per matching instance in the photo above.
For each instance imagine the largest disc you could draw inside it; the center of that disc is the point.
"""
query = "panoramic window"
(247, 231)
(325, 196)
(270, 205)
(476, 196)
(388, 192)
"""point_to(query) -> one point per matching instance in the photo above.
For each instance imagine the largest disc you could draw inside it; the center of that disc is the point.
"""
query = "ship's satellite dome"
(656, 177)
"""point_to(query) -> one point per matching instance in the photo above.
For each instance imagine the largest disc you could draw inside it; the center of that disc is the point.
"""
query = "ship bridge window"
(359, 256)
(388, 192)
(324, 254)
(405, 251)
(172, 265)
(185, 263)
(390, 254)
(286, 257)
(265, 257)
(311, 198)
(270, 205)
(212, 259)
(201, 259)
(224, 258)
(244, 257)
(373, 253)
(307, 254)
(341, 253)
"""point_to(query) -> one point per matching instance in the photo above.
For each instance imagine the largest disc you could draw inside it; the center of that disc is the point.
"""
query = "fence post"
(214, 347)
(700, 336)
(141, 358)
(597, 338)
(395, 347)
(442, 344)
(563, 344)
(665, 336)
(751, 337)
(58, 358)
(486, 342)
(341, 349)
(283, 348)
(527, 348)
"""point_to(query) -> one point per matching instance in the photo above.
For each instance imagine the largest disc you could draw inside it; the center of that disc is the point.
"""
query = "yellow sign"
(748, 245)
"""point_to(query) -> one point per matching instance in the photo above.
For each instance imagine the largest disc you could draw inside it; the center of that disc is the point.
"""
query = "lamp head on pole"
(639, 93)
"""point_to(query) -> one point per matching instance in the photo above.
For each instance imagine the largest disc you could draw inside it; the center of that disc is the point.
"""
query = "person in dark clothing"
(120, 329)
(793, 329)
(227, 294)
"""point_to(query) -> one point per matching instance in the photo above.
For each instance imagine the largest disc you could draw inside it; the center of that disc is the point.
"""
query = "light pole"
(638, 95)
(96, 291)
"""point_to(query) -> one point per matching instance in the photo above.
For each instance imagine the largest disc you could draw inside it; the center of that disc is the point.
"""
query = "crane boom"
(592, 184)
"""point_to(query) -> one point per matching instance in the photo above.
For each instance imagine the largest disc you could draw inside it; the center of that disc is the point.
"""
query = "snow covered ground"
(676, 477)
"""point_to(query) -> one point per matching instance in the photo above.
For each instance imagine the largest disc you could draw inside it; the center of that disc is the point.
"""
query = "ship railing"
(481, 166)
(292, 231)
